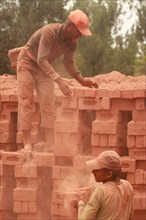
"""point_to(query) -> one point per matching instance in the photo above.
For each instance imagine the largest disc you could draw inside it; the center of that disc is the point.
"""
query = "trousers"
(29, 79)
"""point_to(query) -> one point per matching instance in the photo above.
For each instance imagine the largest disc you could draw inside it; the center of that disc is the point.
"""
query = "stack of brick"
(104, 119)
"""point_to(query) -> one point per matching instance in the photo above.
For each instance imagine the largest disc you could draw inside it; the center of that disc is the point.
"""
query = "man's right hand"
(64, 87)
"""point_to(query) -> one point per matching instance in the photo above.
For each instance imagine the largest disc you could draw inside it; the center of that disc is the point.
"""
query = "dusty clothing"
(35, 71)
(110, 201)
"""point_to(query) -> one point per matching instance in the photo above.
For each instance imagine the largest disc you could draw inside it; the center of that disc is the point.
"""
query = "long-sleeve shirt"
(109, 201)
(46, 45)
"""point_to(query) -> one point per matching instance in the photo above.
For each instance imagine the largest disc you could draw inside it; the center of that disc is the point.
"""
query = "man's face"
(73, 32)
(102, 175)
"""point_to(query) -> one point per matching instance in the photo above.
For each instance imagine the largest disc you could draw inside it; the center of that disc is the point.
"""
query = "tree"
(19, 19)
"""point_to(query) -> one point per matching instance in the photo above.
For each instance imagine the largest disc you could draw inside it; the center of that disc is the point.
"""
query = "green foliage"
(106, 50)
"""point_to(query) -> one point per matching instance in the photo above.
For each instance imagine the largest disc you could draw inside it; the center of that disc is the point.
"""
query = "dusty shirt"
(109, 201)
(46, 45)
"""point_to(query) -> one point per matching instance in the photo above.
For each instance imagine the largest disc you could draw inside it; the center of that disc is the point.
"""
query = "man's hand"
(64, 87)
(89, 83)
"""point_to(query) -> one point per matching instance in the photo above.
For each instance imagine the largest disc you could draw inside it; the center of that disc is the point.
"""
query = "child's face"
(102, 175)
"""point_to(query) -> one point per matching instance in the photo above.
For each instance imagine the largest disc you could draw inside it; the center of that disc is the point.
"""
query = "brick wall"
(45, 185)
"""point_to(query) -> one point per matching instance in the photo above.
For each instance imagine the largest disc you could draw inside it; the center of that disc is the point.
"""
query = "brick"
(139, 115)
(17, 207)
(67, 150)
(89, 103)
(106, 103)
(104, 92)
(137, 203)
(28, 216)
(78, 92)
(101, 127)
(5, 98)
(131, 141)
(56, 172)
(140, 104)
(136, 128)
(144, 177)
(4, 126)
(43, 159)
(112, 140)
(115, 93)
(67, 173)
(21, 194)
(74, 139)
(66, 138)
(139, 93)
(127, 94)
(90, 92)
(12, 158)
(68, 114)
(69, 102)
(137, 153)
(32, 207)
(13, 98)
(97, 150)
(128, 165)
(139, 177)
(24, 207)
(26, 182)
(19, 137)
(1, 170)
(95, 139)
(54, 209)
(57, 197)
(103, 140)
(123, 104)
(141, 141)
(79, 161)
(29, 171)
(67, 126)
(131, 178)
(58, 138)
(5, 137)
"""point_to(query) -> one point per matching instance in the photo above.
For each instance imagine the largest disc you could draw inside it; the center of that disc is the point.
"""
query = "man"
(111, 200)
(35, 71)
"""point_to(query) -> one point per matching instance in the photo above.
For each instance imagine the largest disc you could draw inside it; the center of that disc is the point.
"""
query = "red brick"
(90, 92)
(137, 203)
(19, 137)
(24, 207)
(104, 92)
(115, 93)
(4, 126)
(21, 194)
(141, 141)
(67, 173)
(94, 139)
(43, 159)
(140, 104)
(139, 177)
(123, 104)
(128, 165)
(58, 138)
(97, 150)
(29, 171)
(127, 94)
(5, 98)
(12, 158)
(101, 127)
(139, 93)
(106, 103)
(137, 153)
(131, 141)
(1, 169)
(78, 92)
(103, 140)
(112, 140)
(139, 115)
(28, 216)
(66, 138)
(54, 209)
(32, 207)
(67, 150)
(68, 114)
(79, 161)
(57, 197)
(136, 128)
(74, 139)
(67, 126)
(56, 172)
(69, 102)
(13, 98)
(17, 207)
(89, 104)
(131, 178)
